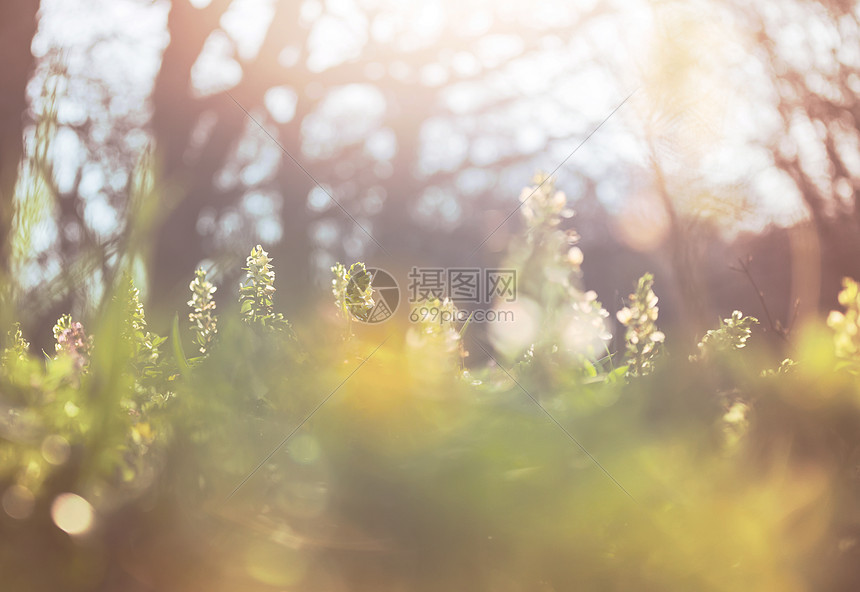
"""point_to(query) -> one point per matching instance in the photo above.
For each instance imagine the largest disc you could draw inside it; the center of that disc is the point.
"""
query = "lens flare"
(18, 502)
(72, 514)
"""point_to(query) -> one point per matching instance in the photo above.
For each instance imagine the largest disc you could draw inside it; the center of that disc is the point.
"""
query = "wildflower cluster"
(642, 337)
(438, 327)
(735, 424)
(17, 347)
(72, 340)
(352, 290)
(145, 345)
(846, 325)
(550, 265)
(731, 335)
(785, 367)
(435, 345)
(543, 205)
(256, 295)
(585, 324)
(204, 323)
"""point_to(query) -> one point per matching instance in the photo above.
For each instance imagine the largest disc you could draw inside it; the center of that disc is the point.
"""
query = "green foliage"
(17, 347)
(256, 296)
(80, 411)
(846, 325)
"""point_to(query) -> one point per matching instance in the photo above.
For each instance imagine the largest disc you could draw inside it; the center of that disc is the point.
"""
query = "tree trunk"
(17, 28)
(185, 187)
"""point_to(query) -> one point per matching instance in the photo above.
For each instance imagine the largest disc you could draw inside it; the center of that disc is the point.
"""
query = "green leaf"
(465, 325)
(616, 374)
(590, 370)
(178, 353)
